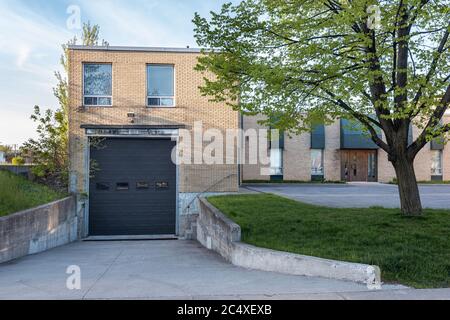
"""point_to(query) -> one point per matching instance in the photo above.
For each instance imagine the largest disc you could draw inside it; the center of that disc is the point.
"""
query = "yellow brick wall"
(422, 162)
(332, 156)
(129, 93)
(297, 157)
(386, 172)
(252, 171)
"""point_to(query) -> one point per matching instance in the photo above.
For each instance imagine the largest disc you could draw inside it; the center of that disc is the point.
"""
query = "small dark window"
(162, 184)
(102, 186)
(122, 186)
(153, 101)
(141, 185)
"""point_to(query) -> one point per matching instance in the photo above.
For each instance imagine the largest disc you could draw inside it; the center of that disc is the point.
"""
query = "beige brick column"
(332, 159)
(297, 157)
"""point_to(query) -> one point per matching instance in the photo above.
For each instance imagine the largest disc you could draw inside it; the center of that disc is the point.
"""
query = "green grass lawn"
(410, 251)
(17, 193)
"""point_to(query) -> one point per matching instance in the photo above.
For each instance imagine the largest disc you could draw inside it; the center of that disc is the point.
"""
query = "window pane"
(153, 101)
(104, 101)
(98, 79)
(159, 80)
(121, 186)
(436, 162)
(166, 102)
(316, 162)
(372, 165)
(276, 161)
(142, 185)
(90, 101)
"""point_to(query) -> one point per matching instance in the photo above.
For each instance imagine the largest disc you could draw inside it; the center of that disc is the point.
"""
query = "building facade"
(127, 107)
(135, 160)
(340, 152)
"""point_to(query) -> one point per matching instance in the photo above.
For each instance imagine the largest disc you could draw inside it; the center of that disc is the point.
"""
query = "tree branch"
(438, 113)
(365, 120)
(432, 70)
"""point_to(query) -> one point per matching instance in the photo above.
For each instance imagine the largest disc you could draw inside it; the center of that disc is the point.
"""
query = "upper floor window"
(160, 85)
(97, 79)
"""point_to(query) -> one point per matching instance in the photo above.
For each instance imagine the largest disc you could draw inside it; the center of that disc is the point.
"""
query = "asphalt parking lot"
(356, 195)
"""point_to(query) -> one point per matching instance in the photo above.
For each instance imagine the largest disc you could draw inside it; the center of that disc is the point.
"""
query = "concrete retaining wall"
(21, 170)
(38, 229)
(217, 232)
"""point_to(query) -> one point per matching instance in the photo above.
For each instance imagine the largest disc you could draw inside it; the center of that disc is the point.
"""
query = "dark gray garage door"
(132, 187)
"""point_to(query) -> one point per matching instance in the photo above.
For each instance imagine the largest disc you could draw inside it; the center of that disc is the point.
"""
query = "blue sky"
(33, 31)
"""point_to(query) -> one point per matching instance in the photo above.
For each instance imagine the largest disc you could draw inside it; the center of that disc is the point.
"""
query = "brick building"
(129, 108)
(126, 105)
(341, 152)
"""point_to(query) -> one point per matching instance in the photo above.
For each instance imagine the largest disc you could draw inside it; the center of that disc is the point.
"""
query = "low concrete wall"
(38, 229)
(21, 170)
(217, 232)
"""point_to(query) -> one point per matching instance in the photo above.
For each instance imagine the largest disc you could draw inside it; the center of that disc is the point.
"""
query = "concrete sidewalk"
(169, 269)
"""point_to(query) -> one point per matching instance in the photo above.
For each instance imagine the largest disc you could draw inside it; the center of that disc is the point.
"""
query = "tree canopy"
(385, 63)
(307, 59)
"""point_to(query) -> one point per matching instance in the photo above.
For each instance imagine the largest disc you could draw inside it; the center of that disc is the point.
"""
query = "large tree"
(383, 63)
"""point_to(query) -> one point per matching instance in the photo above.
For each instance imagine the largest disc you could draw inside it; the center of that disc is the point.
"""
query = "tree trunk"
(407, 187)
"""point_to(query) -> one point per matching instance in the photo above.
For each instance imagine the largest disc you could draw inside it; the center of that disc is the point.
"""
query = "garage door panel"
(137, 167)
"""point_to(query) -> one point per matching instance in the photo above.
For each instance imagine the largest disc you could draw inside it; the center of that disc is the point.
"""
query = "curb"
(217, 232)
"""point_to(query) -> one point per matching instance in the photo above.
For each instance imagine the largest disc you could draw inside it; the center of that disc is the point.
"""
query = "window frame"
(279, 170)
(160, 97)
(97, 96)
(441, 160)
(321, 162)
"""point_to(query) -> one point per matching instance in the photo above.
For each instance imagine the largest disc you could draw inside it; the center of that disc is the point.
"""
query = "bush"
(18, 161)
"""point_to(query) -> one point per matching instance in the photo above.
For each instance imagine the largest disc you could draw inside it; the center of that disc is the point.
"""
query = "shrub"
(18, 161)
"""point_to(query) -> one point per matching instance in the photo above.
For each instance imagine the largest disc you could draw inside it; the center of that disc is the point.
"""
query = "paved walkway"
(356, 195)
(169, 269)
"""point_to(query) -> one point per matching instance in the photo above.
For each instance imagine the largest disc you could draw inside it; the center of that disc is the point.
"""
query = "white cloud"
(22, 55)
(31, 38)
(140, 23)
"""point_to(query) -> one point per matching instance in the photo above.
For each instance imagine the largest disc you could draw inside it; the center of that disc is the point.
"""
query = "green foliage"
(50, 150)
(301, 60)
(5, 148)
(411, 251)
(18, 161)
(17, 193)
(8, 151)
(393, 181)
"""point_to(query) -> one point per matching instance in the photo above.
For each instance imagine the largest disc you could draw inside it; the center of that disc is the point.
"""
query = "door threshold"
(132, 238)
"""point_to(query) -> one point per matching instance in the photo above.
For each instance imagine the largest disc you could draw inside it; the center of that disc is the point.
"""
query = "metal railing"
(207, 189)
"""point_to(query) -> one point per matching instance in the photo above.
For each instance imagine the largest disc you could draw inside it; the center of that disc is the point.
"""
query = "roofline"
(133, 126)
(135, 49)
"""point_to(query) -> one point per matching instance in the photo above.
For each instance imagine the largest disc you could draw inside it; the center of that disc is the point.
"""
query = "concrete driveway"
(170, 269)
(356, 195)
